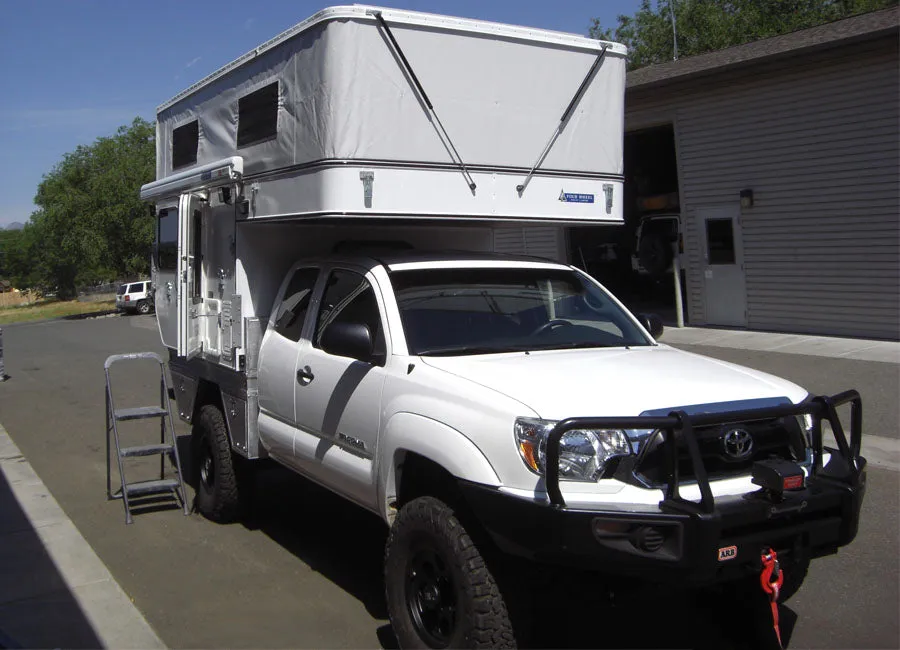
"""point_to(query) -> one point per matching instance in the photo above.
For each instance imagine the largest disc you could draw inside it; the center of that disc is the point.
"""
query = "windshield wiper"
(471, 350)
(572, 345)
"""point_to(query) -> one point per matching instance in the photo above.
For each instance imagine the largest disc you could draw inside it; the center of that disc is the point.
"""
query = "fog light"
(648, 539)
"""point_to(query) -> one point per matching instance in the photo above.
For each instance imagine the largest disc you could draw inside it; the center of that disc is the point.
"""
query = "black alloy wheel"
(431, 595)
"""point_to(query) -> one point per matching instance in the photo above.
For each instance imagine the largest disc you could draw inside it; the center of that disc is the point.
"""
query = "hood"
(602, 382)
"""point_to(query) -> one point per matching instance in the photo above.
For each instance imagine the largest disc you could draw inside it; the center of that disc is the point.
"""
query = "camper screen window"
(184, 144)
(167, 240)
(258, 115)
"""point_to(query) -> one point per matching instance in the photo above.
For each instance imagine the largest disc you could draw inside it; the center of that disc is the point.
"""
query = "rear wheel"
(440, 592)
(218, 495)
(143, 307)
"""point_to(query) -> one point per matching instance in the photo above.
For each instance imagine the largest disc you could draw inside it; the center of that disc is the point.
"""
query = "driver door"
(338, 399)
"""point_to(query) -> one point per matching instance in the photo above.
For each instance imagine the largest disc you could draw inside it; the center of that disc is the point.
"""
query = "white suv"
(135, 297)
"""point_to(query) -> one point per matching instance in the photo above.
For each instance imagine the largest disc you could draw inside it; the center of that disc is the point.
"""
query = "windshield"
(488, 310)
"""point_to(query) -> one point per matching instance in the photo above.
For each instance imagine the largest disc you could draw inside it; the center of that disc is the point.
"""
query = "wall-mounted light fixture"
(746, 198)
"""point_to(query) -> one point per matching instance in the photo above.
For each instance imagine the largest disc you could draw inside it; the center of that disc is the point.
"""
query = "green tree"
(708, 25)
(91, 224)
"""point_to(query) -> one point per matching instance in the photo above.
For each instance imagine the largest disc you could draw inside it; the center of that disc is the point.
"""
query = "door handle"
(305, 376)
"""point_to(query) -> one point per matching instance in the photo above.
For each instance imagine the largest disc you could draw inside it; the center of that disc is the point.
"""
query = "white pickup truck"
(439, 391)
(482, 402)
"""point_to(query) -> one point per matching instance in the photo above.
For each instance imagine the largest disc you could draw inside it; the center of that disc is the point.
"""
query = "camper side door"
(190, 297)
(165, 274)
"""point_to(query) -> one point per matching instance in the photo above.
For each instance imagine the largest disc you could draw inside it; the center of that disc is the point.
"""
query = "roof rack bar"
(418, 85)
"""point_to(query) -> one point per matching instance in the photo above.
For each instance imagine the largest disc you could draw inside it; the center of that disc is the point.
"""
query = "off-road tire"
(143, 307)
(428, 526)
(655, 253)
(215, 471)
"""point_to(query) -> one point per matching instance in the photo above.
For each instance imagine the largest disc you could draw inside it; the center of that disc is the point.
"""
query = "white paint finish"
(409, 432)
(459, 411)
(277, 438)
(416, 193)
(463, 263)
(723, 284)
(343, 398)
(570, 383)
(111, 614)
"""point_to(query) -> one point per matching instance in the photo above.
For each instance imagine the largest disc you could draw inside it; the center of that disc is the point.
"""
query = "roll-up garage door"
(539, 241)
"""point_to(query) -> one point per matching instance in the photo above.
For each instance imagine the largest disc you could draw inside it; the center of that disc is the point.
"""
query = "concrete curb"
(115, 620)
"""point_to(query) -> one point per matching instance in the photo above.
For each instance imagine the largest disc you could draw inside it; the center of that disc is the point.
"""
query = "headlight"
(583, 453)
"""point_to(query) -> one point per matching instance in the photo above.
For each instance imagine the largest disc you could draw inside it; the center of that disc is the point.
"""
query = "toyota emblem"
(738, 444)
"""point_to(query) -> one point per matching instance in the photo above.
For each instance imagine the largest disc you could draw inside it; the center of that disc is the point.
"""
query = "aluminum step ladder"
(166, 446)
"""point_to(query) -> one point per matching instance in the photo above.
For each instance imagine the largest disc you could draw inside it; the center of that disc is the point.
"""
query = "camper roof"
(402, 17)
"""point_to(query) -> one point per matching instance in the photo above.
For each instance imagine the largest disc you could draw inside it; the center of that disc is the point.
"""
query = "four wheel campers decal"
(573, 197)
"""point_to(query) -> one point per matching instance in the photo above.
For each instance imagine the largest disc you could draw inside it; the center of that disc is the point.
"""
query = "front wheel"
(440, 593)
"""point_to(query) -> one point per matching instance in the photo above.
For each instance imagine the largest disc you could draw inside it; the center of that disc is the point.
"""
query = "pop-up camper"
(344, 273)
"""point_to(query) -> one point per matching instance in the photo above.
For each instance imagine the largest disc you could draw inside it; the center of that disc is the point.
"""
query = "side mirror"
(652, 323)
(352, 340)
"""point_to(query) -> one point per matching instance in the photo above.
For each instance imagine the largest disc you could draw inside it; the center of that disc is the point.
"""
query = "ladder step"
(145, 450)
(151, 487)
(140, 412)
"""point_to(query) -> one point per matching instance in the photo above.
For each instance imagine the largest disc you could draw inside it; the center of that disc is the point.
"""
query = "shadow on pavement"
(37, 609)
(345, 544)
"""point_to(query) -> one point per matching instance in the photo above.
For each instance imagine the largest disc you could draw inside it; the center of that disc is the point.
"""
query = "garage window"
(184, 144)
(720, 241)
(258, 116)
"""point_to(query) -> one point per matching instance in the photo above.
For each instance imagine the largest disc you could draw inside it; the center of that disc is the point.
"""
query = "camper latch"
(368, 179)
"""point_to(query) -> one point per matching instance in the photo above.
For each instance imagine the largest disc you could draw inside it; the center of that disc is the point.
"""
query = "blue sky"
(72, 71)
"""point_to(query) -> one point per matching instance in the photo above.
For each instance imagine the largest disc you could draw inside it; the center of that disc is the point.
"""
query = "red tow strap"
(771, 580)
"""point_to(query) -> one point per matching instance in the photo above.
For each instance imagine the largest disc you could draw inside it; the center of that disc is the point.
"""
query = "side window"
(167, 240)
(258, 116)
(184, 144)
(292, 310)
(349, 298)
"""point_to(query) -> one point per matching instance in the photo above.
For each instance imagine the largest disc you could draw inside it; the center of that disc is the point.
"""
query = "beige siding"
(816, 139)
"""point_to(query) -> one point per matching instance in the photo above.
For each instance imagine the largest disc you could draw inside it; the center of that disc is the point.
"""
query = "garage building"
(786, 168)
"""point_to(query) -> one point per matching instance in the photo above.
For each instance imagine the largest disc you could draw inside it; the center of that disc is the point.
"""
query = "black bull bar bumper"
(703, 541)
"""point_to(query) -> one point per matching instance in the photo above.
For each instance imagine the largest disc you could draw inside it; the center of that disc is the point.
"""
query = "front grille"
(776, 438)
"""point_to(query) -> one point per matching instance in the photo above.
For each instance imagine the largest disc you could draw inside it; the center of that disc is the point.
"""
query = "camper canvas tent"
(349, 90)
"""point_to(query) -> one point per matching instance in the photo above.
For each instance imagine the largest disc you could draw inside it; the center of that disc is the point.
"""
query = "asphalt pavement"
(306, 571)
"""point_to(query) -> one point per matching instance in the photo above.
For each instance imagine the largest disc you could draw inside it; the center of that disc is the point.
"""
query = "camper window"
(258, 115)
(184, 144)
(167, 240)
